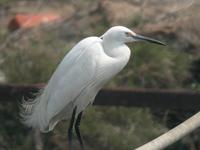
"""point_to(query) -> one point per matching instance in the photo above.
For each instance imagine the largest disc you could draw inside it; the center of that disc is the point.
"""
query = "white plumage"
(79, 77)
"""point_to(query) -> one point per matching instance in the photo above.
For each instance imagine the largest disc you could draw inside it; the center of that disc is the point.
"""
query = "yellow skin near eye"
(128, 34)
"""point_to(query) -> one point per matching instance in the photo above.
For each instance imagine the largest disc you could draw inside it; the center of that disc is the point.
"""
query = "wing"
(73, 74)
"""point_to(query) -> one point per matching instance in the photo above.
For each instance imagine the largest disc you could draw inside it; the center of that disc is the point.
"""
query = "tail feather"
(33, 112)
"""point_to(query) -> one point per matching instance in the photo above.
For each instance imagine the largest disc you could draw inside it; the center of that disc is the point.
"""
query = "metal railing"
(166, 99)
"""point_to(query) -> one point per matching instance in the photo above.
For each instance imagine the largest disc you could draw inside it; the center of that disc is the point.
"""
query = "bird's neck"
(116, 49)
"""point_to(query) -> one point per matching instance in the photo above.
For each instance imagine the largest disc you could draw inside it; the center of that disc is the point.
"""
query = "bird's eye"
(128, 34)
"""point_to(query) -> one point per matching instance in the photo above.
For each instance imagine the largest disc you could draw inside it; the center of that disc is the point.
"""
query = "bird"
(84, 70)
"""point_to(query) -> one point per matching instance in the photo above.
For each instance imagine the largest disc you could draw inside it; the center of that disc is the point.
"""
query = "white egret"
(78, 79)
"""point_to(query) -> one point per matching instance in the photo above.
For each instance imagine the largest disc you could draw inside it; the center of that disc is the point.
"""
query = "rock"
(31, 20)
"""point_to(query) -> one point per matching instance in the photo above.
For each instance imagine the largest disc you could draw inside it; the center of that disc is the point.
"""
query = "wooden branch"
(174, 134)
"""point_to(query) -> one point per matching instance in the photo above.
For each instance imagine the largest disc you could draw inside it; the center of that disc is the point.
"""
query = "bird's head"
(120, 34)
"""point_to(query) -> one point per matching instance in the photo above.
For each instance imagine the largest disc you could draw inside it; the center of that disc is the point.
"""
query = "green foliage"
(155, 66)
(6, 2)
(12, 132)
(34, 56)
(30, 66)
(138, 21)
(112, 128)
(117, 128)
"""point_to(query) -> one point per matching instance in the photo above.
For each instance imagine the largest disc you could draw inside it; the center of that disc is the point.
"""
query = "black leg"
(77, 125)
(70, 129)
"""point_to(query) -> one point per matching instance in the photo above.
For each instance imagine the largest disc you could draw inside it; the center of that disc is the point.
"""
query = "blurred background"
(30, 50)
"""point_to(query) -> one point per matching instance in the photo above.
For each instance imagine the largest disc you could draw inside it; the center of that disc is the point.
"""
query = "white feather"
(62, 90)
(78, 78)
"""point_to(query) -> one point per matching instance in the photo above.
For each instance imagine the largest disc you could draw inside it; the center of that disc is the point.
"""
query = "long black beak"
(143, 38)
